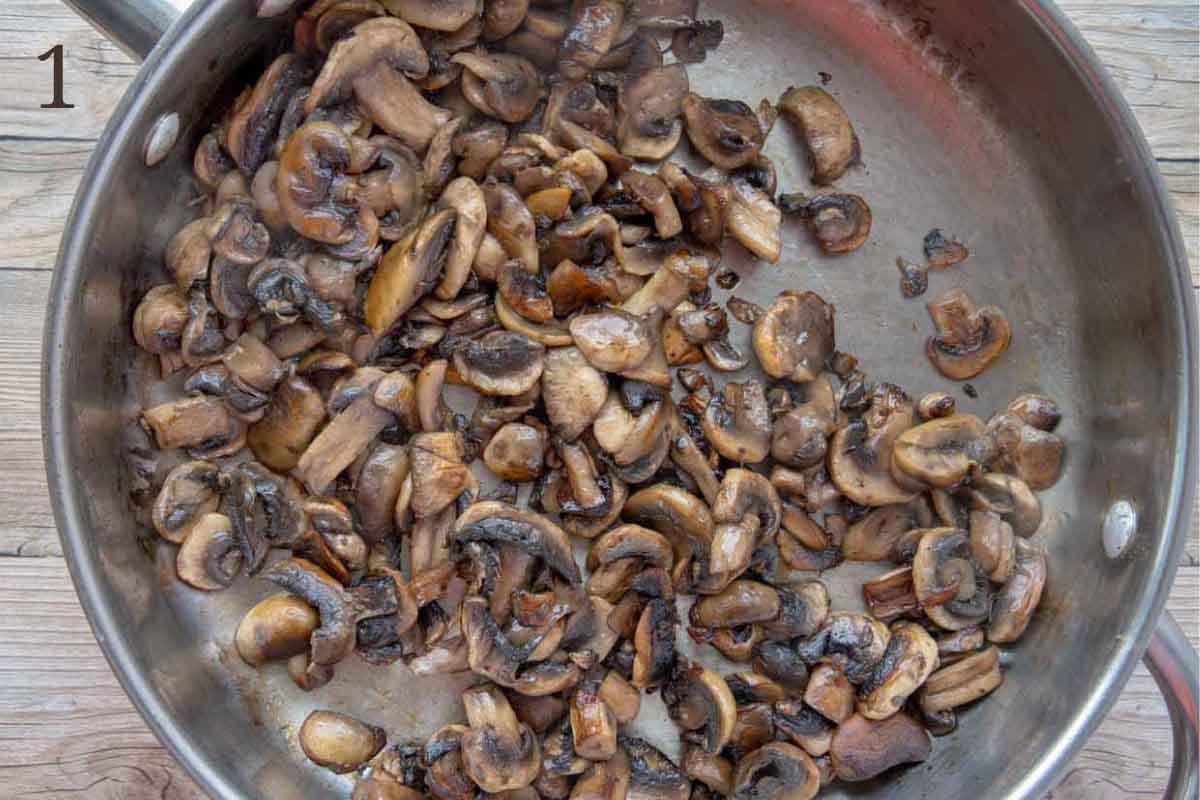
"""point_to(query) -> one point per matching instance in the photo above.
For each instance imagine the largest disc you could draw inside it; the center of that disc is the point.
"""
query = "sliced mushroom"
(911, 657)
(737, 422)
(853, 642)
(211, 557)
(875, 536)
(255, 121)
(951, 587)
(860, 454)
(192, 422)
(510, 221)
(592, 32)
(993, 545)
(863, 749)
(779, 771)
(438, 472)
(502, 363)
(839, 222)
(830, 694)
(501, 523)
(1011, 498)
(700, 702)
(891, 595)
(962, 682)
(942, 252)
(464, 196)
(1033, 455)
(339, 742)
(726, 132)
(189, 493)
(653, 776)
(714, 772)
(573, 390)
(593, 725)
(755, 221)
(968, 339)
(409, 270)
(654, 196)
(515, 452)
(781, 662)
(613, 340)
(795, 337)
(1036, 410)
(828, 135)
(679, 515)
(649, 108)
(374, 64)
(940, 452)
(275, 629)
(499, 752)
(438, 15)
(654, 641)
(501, 85)
(341, 441)
(740, 603)
(1016, 601)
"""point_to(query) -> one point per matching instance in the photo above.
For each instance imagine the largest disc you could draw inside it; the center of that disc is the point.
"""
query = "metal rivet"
(162, 137)
(1120, 525)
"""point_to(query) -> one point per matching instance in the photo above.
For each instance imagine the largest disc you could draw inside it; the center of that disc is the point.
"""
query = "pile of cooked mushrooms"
(421, 195)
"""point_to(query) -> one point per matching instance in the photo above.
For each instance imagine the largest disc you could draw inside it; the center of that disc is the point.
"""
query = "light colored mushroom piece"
(341, 441)
(755, 221)
(654, 196)
(968, 339)
(737, 422)
(795, 337)
(374, 64)
(1032, 454)
(593, 30)
(963, 682)
(339, 742)
(828, 135)
(649, 108)
(573, 390)
(714, 772)
(941, 452)
(501, 364)
(860, 453)
(187, 423)
(613, 340)
(910, 659)
(439, 474)
(515, 452)
(211, 557)
(510, 221)
(409, 270)
(778, 771)
(863, 749)
(464, 196)
(954, 592)
(593, 725)
(499, 752)
(726, 132)
(275, 629)
(830, 694)
(1016, 601)
(437, 15)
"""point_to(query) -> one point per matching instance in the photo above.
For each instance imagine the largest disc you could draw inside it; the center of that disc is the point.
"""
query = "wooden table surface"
(66, 728)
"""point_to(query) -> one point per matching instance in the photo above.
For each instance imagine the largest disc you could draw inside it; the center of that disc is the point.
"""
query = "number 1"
(57, 52)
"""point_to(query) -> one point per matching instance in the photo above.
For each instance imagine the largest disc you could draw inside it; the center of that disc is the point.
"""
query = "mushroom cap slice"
(502, 85)
(499, 752)
(573, 390)
(379, 41)
(1033, 455)
(830, 694)
(277, 628)
(339, 742)
(189, 492)
(438, 473)
(515, 452)
(631, 541)
(211, 556)
(777, 771)
(745, 492)
(700, 700)
(255, 121)
(501, 523)
(860, 453)
(334, 639)
(737, 422)
(968, 339)
(1016, 601)
(466, 198)
(740, 603)
(863, 748)
(910, 658)
(828, 135)
(1011, 498)
(755, 221)
(676, 513)
(649, 107)
(593, 30)
(940, 452)
(437, 15)
(409, 270)
(613, 340)
(653, 776)
(795, 337)
(962, 682)
(993, 545)
(951, 587)
(726, 132)
(501, 364)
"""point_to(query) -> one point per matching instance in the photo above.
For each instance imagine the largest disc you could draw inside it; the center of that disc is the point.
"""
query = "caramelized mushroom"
(726, 132)
(339, 742)
(779, 771)
(501, 364)
(1026, 451)
(968, 339)
(1016, 601)
(954, 592)
(940, 452)
(963, 682)
(863, 749)
(755, 221)
(501, 85)
(828, 135)
(840, 223)
(649, 108)
(738, 424)
(795, 337)
(860, 454)
(499, 752)
(211, 557)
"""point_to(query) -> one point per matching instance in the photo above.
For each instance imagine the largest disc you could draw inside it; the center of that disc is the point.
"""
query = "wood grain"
(66, 728)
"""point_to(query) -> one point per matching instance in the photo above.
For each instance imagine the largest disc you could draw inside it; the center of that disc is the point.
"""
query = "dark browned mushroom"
(1026, 451)
(501, 85)
(828, 135)
(860, 453)
(726, 132)
(779, 771)
(737, 422)
(795, 337)
(591, 33)
(968, 339)
(951, 587)
(839, 222)
(863, 749)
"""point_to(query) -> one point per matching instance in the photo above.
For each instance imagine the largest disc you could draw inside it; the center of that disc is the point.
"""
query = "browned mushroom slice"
(210, 557)
(744, 492)
(755, 221)
(952, 589)
(465, 198)
(1036, 410)
(840, 223)
(828, 135)
(891, 595)
(1011, 498)
(341, 442)
(593, 724)
(291, 422)
(438, 15)
(677, 514)
(525, 293)
(863, 749)
(953, 646)
(255, 120)
(189, 253)
(853, 642)
(1016, 601)
(549, 334)
(701, 703)
(940, 452)
(653, 776)
(806, 729)
(993, 545)
(374, 65)
(962, 682)
(1033, 455)
(409, 270)
(738, 424)
(439, 475)
(830, 694)
(573, 390)
(653, 196)
(275, 629)
(339, 742)
(510, 221)
(502, 363)
(501, 85)
(778, 771)
(740, 603)
(910, 658)
(860, 454)
(942, 252)
(726, 132)
(649, 108)
(795, 337)
(612, 340)
(671, 284)
(515, 452)
(191, 422)
(503, 17)
(968, 339)
(377, 489)
(501, 523)
(713, 772)
(189, 492)
(591, 34)
(691, 45)
(160, 318)
(654, 642)
(499, 752)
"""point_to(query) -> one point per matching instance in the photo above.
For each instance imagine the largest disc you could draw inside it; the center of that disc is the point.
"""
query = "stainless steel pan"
(990, 119)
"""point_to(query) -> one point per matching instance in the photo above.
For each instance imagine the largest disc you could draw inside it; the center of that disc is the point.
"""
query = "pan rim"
(66, 497)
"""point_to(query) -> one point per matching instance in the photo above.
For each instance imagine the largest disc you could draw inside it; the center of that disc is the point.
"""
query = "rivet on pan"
(161, 138)
(1120, 525)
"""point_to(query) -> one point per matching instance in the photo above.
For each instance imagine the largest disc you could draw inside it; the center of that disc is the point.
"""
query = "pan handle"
(1173, 663)
(135, 26)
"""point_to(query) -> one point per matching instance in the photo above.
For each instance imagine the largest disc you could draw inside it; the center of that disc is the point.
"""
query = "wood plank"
(1182, 179)
(67, 729)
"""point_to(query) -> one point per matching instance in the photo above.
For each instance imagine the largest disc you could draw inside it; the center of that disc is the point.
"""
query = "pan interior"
(971, 121)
